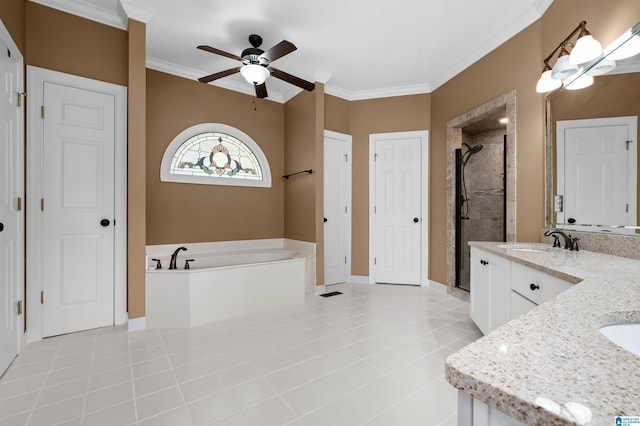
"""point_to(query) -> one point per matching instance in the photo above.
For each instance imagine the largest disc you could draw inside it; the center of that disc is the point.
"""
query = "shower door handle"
(416, 220)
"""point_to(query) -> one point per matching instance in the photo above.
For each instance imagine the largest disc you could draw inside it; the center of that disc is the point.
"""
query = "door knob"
(1, 226)
(105, 222)
(416, 220)
(325, 220)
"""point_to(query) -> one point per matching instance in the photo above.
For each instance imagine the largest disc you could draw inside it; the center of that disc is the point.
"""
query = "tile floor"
(372, 356)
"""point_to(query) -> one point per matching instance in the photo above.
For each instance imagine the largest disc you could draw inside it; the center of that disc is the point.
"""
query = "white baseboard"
(320, 289)
(436, 286)
(135, 324)
(358, 279)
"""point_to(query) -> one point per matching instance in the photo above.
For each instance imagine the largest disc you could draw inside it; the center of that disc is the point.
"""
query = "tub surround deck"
(552, 365)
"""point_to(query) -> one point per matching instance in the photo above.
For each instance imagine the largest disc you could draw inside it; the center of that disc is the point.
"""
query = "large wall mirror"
(592, 153)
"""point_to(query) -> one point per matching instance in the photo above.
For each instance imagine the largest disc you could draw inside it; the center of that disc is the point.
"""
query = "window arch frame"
(181, 138)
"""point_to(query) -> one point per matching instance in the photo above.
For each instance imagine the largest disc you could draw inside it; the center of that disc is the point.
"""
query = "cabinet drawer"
(535, 285)
(520, 304)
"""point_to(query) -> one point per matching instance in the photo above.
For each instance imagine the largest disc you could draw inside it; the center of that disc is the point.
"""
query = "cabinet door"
(480, 290)
(499, 278)
(490, 290)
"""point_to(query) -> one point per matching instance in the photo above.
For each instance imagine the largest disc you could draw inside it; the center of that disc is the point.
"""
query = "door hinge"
(19, 206)
(42, 204)
(346, 158)
(375, 261)
(19, 307)
(345, 209)
(628, 143)
(627, 209)
(19, 99)
(375, 209)
(42, 111)
(345, 260)
(42, 297)
(375, 157)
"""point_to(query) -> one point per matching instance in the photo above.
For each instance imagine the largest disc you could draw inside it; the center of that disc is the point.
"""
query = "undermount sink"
(526, 247)
(627, 336)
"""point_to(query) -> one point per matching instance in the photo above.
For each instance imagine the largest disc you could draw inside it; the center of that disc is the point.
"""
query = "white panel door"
(11, 218)
(599, 162)
(398, 210)
(337, 194)
(78, 188)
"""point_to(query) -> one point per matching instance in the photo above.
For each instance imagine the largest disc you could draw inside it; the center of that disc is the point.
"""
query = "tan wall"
(514, 65)
(12, 14)
(136, 198)
(337, 114)
(300, 154)
(62, 42)
(394, 114)
(182, 213)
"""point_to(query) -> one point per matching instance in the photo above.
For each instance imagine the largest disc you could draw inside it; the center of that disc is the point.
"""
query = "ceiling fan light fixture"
(255, 74)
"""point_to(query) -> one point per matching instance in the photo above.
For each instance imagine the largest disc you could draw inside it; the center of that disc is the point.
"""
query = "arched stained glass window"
(215, 154)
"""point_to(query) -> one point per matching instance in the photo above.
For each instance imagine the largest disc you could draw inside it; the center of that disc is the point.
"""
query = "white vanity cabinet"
(502, 290)
(490, 290)
(532, 285)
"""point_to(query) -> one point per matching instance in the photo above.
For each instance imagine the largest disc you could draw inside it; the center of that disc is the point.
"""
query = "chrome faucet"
(569, 242)
(174, 257)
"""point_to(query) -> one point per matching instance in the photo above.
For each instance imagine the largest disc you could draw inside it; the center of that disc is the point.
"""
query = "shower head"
(470, 151)
(473, 149)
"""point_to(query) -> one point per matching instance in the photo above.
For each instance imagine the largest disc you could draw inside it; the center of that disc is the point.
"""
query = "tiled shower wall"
(484, 174)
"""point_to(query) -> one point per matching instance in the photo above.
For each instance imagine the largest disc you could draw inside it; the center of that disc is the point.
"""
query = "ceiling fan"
(256, 66)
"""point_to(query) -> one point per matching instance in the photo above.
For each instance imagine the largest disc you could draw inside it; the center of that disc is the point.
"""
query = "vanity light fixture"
(585, 49)
(585, 80)
(625, 46)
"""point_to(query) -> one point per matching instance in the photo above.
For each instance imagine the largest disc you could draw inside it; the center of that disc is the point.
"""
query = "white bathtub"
(226, 280)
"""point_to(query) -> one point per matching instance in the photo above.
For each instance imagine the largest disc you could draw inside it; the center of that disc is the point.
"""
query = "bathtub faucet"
(174, 257)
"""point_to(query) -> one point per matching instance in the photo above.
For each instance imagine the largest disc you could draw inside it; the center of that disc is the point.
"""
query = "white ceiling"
(360, 49)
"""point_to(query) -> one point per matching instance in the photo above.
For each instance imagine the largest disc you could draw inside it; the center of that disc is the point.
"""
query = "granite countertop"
(552, 366)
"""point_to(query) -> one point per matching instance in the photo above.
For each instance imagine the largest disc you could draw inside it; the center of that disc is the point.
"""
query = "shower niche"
(480, 189)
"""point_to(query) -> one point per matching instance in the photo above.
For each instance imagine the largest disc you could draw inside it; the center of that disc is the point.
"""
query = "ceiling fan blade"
(208, 78)
(279, 50)
(296, 81)
(261, 90)
(219, 52)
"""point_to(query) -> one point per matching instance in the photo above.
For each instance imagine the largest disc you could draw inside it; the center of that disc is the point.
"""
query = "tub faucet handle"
(186, 263)
(158, 265)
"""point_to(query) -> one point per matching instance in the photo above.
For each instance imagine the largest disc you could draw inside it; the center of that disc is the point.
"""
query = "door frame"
(423, 135)
(632, 125)
(36, 77)
(15, 53)
(347, 141)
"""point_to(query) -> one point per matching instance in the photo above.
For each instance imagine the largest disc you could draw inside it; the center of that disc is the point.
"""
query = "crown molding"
(130, 10)
(86, 10)
(414, 89)
(516, 26)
